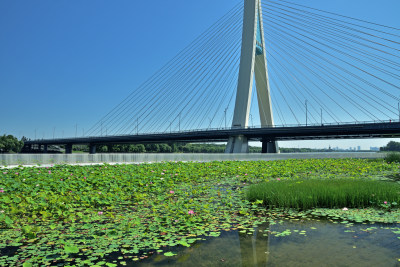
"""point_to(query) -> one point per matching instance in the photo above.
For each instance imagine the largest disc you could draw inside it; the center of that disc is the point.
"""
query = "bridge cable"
(333, 31)
(167, 66)
(176, 75)
(335, 14)
(330, 71)
(179, 76)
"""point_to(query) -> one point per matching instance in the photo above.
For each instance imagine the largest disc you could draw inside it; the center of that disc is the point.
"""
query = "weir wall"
(49, 159)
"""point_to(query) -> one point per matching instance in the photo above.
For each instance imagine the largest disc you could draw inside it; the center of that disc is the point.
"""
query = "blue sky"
(67, 63)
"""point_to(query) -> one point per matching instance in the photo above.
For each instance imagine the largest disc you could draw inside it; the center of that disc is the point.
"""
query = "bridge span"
(385, 129)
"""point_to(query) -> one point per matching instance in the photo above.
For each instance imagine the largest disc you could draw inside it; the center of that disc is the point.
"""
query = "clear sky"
(67, 62)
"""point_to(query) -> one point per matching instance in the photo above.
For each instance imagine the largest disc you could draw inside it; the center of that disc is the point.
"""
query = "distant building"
(374, 148)
(359, 148)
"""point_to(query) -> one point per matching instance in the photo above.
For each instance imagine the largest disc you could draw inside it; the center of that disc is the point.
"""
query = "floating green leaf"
(71, 249)
(169, 254)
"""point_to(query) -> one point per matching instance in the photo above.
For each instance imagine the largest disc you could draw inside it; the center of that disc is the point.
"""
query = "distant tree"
(139, 149)
(165, 148)
(132, 149)
(124, 148)
(152, 148)
(101, 148)
(81, 148)
(174, 148)
(255, 149)
(391, 146)
(10, 144)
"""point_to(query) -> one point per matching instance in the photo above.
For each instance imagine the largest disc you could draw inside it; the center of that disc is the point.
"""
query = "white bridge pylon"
(253, 63)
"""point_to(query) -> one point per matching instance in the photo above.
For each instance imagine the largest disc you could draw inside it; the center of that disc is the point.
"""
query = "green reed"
(308, 194)
(392, 157)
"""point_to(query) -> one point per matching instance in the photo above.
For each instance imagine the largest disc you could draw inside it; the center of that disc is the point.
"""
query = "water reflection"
(292, 243)
(254, 249)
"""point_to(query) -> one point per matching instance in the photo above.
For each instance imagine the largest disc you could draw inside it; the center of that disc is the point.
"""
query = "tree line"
(391, 146)
(11, 144)
(162, 148)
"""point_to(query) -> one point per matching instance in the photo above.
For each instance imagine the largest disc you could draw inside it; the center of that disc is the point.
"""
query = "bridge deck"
(339, 131)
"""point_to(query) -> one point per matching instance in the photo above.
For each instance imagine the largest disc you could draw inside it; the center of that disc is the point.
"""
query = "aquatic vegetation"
(82, 215)
(392, 157)
(316, 193)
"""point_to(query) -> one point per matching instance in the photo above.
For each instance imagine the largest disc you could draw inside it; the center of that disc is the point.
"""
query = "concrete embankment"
(50, 159)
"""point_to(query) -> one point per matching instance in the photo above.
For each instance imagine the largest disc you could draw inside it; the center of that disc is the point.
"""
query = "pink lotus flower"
(278, 179)
(171, 192)
(49, 172)
(16, 173)
(162, 173)
(1, 190)
(345, 208)
(385, 202)
(84, 178)
(61, 179)
(100, 213)
(191, 212)
(4, 172)
(245, 174)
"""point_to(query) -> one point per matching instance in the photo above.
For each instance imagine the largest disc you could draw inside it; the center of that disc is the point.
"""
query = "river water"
(292, 243)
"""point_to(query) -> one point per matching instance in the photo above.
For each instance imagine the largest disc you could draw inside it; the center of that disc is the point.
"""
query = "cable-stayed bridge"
(311, 71)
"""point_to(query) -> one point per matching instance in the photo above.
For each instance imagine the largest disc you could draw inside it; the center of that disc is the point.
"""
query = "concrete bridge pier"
(237, 144)
(27, 148)
(45, 147)
(269, 146)
(68, 149)
(92, 149)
